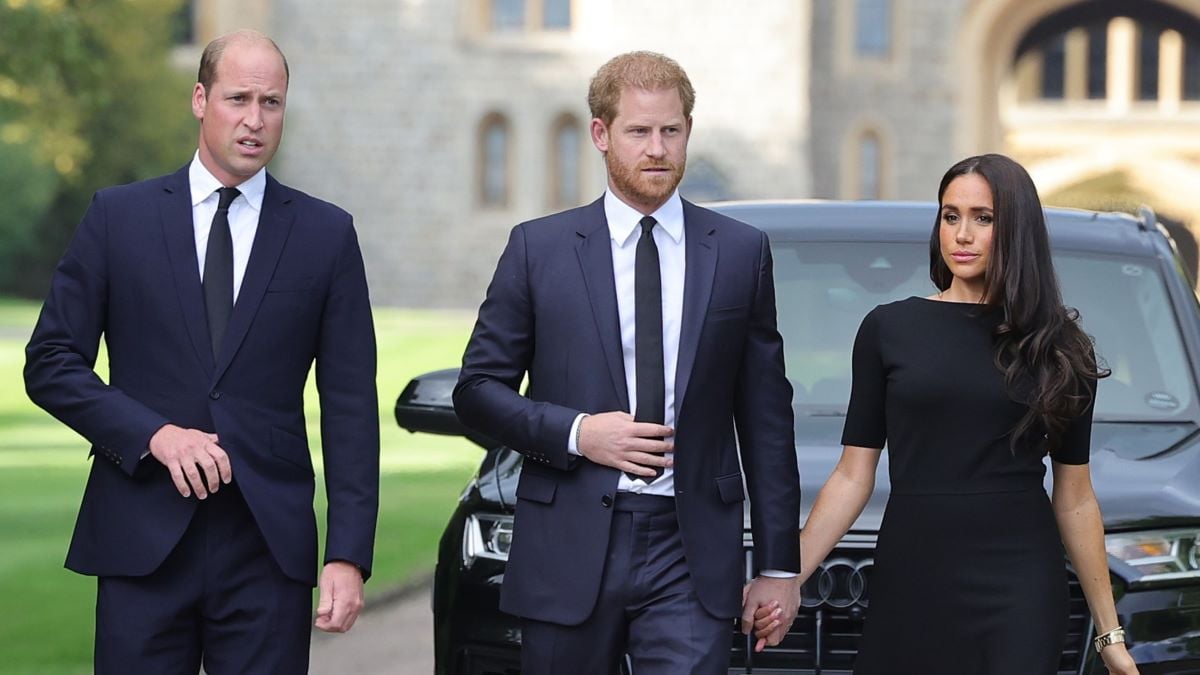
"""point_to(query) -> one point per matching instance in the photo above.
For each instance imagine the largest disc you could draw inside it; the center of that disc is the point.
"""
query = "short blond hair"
(642, 70)
(211, 58)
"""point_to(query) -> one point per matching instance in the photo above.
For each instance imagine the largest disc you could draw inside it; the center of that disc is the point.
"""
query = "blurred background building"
(440, 124)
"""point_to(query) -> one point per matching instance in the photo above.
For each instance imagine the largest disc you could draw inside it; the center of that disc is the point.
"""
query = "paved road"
(394, 638)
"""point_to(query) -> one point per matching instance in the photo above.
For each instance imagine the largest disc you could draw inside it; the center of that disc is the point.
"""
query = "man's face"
(645, 147)
(241, 116)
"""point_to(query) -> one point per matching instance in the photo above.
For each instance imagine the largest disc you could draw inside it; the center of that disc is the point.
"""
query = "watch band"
(1110, 638)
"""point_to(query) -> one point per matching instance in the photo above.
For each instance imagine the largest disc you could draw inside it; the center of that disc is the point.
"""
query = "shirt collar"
(623, 219)
(203, 184)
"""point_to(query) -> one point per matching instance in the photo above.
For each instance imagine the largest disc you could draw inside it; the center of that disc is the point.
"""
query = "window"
(869, 160)
(182, 24)
(508, 15)
(1097, 62)
(1148, 39)
(565, 178)
(513, 16)
(1191, 69)
(556, 14)
(1054, 67)
(1131, 45)
(873, 27)
(493, 165)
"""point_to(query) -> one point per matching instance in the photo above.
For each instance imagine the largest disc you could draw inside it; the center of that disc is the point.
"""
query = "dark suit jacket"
(130, 273)
(551, 312)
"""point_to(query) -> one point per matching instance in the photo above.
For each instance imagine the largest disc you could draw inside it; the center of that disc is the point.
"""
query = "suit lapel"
(700, 254)
(274, 225)
(175, 213)
(595, 259)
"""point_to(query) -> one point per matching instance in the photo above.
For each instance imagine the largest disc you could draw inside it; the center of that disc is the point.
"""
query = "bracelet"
(1112, 637)
(579, 433)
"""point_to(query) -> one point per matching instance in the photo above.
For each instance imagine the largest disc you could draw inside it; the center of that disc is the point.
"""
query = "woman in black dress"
(971, 388)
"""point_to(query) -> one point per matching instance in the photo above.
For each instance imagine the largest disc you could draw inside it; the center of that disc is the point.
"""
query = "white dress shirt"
(243, 215)
(624, 231)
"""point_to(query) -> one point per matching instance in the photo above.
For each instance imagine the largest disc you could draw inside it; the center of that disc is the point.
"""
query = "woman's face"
(965, 234)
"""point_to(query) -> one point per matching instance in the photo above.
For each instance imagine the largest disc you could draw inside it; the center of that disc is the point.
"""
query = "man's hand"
(769, 606)
(341, 597)
(195, 461)
(614, 439)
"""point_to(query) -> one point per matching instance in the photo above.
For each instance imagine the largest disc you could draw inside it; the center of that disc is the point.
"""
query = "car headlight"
(487, 536)
(1159, 556)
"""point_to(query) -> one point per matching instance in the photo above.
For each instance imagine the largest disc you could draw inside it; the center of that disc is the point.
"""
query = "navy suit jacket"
(551, 313)
(131, 275)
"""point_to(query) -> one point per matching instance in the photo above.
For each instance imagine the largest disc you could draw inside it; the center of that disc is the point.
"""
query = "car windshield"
(824, 289)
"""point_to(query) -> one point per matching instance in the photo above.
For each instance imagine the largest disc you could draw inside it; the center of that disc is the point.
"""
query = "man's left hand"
(782, 595)
(341, 597)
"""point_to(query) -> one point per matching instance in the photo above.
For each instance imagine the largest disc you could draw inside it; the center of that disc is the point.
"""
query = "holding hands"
(769, 606)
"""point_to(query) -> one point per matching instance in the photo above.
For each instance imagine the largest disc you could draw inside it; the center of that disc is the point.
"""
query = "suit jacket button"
(214, 395)
(606, 501)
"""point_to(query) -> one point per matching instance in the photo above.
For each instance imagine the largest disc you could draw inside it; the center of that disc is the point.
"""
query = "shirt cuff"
(778, 574)
(573, 437)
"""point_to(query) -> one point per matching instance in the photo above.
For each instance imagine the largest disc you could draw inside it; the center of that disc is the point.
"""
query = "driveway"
(391, 637)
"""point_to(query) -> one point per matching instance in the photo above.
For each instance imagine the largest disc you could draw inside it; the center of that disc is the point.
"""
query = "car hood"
(1145, 474)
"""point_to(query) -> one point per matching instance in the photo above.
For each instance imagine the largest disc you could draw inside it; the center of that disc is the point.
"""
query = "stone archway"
(986, 43)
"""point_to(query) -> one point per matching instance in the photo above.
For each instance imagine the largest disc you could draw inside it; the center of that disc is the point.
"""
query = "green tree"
(88, 98)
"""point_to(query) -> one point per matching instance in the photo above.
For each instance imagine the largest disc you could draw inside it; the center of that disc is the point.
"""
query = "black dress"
(969, 575)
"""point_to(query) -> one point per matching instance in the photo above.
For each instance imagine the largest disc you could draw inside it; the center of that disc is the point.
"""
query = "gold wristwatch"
(1110, 638)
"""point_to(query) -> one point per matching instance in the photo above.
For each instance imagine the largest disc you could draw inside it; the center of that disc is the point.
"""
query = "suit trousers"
(219, 599)
(647, 608)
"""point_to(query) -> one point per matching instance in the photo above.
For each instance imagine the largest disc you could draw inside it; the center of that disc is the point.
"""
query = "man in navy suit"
(215, 289)
(646, 327)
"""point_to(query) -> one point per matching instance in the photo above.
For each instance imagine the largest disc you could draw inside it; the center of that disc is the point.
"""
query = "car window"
(825, 288)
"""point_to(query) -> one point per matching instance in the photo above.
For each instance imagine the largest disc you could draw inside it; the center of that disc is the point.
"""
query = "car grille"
(825, 636)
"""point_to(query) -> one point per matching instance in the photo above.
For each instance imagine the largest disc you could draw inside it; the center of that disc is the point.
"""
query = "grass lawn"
(47, 624)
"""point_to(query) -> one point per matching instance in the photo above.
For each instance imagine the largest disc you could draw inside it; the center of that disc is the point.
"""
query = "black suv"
(833, 263)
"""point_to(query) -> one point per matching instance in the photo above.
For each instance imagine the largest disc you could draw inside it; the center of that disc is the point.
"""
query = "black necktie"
(648, 332)
(218, 270)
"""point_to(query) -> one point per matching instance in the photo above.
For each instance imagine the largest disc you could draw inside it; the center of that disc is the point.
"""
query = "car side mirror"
(427, 405)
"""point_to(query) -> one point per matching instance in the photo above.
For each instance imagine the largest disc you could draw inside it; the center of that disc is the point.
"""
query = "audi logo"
(838, 582)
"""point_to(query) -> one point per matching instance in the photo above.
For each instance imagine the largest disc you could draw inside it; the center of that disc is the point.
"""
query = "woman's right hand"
(768, 617)
(1117, 660)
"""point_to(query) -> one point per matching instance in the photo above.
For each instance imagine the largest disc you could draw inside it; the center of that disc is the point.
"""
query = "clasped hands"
(769, 606)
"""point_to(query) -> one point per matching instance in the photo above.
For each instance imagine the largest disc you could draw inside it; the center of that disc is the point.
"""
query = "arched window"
(566, 148)
(870, 166)
(494, 144)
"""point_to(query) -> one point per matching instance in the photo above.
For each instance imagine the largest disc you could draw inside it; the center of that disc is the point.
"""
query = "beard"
(641, 188)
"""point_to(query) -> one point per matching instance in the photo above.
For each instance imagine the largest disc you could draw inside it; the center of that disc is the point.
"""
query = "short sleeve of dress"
(866, 421)
(1076, 447)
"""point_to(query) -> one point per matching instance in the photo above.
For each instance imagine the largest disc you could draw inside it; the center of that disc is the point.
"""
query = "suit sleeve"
(60, 358)
(346, 366)
(766, 431)
(497, 358)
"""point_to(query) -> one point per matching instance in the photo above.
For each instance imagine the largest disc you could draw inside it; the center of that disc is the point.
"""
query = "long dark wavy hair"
(1047, 360)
